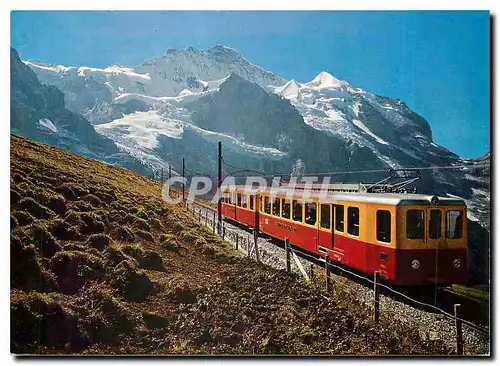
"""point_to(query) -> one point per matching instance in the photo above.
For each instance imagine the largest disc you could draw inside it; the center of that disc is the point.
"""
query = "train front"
(432, 242)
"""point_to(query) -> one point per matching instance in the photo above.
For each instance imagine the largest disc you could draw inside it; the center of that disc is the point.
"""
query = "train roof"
(392, 199)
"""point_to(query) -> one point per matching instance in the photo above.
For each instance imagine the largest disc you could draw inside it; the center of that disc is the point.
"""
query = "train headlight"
(415, 264)
(456, 263)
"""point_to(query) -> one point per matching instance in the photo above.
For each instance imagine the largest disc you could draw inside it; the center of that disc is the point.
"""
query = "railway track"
(473, 310)
(444, 298)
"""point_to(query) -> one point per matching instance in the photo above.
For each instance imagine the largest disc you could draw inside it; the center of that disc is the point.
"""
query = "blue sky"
(436, 62)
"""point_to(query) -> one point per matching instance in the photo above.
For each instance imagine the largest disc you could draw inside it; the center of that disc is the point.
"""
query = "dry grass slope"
(100, 265)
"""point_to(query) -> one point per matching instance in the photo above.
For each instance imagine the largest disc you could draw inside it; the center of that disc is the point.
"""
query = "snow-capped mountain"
(168, 75)
(105, 94)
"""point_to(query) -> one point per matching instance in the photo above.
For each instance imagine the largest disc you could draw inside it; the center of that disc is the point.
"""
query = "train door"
(256, 207)
(339, 228)
(381, 259)
(454, 265)
(332, 214)
(325, 231)
(234, 204)
(435, 235)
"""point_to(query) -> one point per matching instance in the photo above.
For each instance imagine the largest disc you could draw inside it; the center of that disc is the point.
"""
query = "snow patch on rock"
(361, 125)
(50, 68)
(140, 129)
(112, 71)
(47, 123)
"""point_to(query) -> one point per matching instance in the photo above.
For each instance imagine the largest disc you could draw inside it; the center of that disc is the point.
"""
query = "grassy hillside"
(100, 265)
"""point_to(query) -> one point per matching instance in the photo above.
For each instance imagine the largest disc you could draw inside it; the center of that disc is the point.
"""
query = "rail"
(450, 316)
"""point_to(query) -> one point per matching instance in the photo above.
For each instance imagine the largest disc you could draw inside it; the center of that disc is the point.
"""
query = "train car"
(411, 239)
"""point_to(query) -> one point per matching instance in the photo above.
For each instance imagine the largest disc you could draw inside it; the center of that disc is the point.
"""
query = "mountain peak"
(234, 76)
(236, 79)
(290, 90)
(325, 79)
(221, 47)
(221, 51)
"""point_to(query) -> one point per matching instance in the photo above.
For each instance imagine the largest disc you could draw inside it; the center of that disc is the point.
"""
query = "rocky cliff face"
(479, 228)
(38, 112)
(245, 110)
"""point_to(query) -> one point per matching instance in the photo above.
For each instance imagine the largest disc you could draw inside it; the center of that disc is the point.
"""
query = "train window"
(276, 207)
(297, 211)
(251, 202)
(244, 200)
(353, 221)
(326, 211)
(339, 218)
(311, 213)
(415, 224)
(267, 205)
(435, 224)
(384, 226)
(454, 223)
(238, 199)
(285, 208)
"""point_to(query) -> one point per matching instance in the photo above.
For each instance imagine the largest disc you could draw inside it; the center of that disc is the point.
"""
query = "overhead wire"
(369, 171)
(240, 169)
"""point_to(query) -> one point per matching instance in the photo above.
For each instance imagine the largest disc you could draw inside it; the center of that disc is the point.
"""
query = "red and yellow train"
(411, 239)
